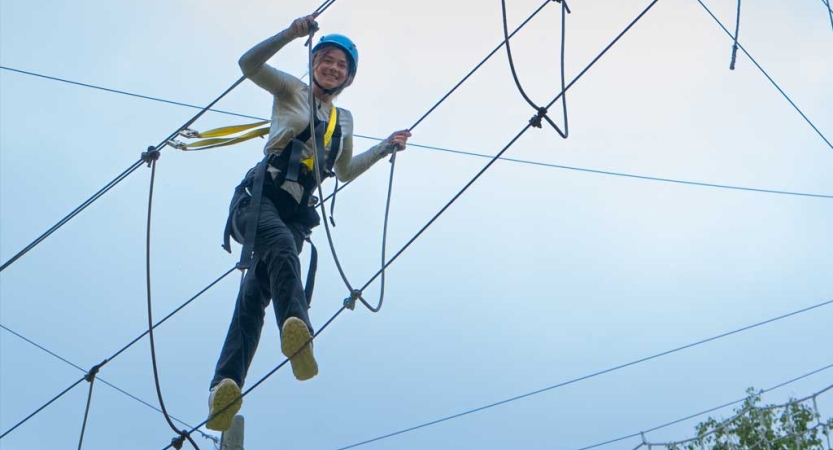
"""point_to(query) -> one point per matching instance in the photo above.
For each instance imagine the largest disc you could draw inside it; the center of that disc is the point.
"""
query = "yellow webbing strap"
(328, 136)
(228, 131)
(206, 144)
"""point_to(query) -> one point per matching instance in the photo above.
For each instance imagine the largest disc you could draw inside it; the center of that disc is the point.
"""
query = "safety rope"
(541, 113)
(90, 378)
(761, 69)
(341, 310)
(356, 294)
(735, 44)
(353, 292)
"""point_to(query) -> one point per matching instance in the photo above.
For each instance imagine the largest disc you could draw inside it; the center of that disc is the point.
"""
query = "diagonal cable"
(702, 413)
(356, 294)
(500, 153)
(589, 376)
(102, 380)
(784, 94)
(447, 150)
(460, 193)
(119, 352)
(118, 179)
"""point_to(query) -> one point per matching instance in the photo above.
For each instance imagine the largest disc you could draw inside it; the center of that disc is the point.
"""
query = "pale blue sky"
(535, 276)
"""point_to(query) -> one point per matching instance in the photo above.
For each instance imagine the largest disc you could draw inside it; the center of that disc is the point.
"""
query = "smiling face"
(332, 68)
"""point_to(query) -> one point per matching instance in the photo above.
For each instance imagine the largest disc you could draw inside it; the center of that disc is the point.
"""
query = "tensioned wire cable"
(326, 5)
(99, 379)
(500, 153)
(115, 355)
(357, 294)
(342, 308)
(702, 413)
(443, 149)
(761, 69)
(116, 180)
(593, 375)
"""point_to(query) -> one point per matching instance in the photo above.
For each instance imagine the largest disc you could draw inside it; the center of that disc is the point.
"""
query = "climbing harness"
(268, 177)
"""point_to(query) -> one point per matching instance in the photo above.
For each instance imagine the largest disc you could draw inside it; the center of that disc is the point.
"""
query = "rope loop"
(350, 302)
(536, 120)
(151, 155)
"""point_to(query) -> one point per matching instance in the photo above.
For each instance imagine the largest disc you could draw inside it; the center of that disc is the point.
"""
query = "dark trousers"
(275, 275)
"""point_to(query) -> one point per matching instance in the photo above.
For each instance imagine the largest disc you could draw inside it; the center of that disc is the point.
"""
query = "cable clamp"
(94, 371)
(350, 302)
(566, 8)
(536, 120)
(189, 133)
(178, 441)
(151, 155)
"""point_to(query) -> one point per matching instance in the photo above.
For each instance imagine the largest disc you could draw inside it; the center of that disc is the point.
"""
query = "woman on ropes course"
(277, 223)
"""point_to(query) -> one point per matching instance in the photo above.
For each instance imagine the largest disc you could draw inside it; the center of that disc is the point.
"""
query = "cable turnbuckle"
(350, 302)
(151, 155)
(536, 120)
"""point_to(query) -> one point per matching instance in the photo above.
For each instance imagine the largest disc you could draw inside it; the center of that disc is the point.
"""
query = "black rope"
(479, 65)
(6, 433)
(541, 112)
(151, 157)
(498, 156)
(829, 11)
(787, 97)
(356, 293)
(735, 45)
(90, 378)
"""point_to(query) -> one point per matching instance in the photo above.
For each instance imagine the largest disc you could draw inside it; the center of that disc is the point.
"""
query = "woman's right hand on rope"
(303, 26)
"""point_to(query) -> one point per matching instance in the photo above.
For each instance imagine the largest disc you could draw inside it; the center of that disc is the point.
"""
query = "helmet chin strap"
(328, 91)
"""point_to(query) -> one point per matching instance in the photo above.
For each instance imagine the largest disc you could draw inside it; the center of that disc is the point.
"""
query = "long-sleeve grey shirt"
(290, 113)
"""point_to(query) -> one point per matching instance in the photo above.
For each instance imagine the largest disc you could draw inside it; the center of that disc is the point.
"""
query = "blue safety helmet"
(344, 43)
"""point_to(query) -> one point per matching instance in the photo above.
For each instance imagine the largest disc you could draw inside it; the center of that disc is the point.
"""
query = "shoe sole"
(225, 395)
(294, 338)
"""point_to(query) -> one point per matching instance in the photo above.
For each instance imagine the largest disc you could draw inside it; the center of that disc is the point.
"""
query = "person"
(286, 214)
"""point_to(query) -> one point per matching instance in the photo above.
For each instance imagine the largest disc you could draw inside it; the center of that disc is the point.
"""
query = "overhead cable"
(784, 94)
(459, 152)
(587, 377)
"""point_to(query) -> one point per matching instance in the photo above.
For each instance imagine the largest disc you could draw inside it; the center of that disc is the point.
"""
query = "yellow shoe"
(220, 414)
(294, 338)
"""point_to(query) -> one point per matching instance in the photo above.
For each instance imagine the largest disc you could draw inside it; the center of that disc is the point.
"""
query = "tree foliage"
(793, 426)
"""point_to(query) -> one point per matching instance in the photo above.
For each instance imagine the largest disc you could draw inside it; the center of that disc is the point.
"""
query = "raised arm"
(253, 62)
